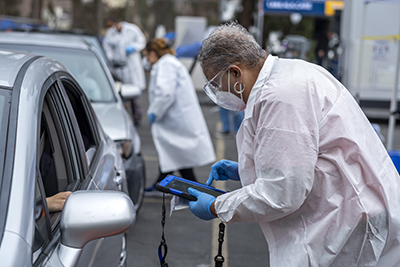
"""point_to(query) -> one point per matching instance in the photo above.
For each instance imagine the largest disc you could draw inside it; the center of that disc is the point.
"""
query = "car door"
(106, 172)
(70, 156)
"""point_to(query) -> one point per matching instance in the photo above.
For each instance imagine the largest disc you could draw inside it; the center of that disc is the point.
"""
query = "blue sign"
(305, 7)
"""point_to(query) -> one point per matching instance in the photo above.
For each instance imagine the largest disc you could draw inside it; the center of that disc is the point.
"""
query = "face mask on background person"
(225, 99)
(146, 64)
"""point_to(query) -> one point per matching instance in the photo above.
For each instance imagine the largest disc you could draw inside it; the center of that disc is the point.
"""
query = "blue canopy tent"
(9, 23)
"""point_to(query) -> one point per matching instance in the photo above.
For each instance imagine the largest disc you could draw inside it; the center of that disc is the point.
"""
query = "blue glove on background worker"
(129, 50)
(201, 207)
(151, 118)
(224, 170)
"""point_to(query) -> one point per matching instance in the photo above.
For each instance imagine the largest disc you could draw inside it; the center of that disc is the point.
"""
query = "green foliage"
(282, 23)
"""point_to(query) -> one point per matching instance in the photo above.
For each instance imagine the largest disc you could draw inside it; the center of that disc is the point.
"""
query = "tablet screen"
(184, 186)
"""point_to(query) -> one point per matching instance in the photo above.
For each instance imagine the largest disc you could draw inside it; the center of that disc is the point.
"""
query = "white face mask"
(224, 99)
(230, 101)
(146, 63)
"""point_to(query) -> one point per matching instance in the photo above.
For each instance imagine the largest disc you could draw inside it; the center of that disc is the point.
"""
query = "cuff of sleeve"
(223, 212)
(209, 207)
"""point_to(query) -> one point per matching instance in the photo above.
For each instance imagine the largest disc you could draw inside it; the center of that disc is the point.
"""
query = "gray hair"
(228, 44)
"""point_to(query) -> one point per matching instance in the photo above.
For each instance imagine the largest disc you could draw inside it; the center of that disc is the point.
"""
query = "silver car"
(50, 142)
(92, 73)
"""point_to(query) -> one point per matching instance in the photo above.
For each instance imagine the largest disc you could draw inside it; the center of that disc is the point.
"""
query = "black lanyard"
(163, 248)
(219, 259)
(163, 244)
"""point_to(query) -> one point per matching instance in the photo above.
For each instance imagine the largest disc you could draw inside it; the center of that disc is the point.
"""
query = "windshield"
(84, 65)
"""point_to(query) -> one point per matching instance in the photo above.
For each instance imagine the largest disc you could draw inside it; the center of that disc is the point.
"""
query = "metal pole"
(221, 10)
(360, 57)
(126, 15)
(99, 16)
(393, 103)
(35, 9)
(260, 22)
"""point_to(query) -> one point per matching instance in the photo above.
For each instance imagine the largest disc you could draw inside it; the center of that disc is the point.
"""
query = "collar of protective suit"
(265, 72)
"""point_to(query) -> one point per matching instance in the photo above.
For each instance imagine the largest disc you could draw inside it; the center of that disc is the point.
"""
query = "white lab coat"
(115, 43)
(314, 173)
(180, 133)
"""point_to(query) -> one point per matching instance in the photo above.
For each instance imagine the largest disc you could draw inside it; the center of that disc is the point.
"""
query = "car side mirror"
(89, 215)
(129, 91)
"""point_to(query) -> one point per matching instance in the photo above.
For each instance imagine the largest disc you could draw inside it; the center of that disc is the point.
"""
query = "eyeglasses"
(214, 85)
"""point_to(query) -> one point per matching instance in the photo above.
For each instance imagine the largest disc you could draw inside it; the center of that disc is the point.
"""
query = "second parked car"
(92, 73)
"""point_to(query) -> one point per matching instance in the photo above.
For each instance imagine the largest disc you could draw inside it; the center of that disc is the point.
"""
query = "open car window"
(85, 119)
(62, 164)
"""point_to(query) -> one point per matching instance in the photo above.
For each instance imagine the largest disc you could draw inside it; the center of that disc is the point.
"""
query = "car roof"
(11, 63)
(91, 38)
(43, 39)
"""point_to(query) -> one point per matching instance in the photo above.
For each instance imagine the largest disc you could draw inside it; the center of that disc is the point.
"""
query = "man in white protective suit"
(314, 173)
(123, 44)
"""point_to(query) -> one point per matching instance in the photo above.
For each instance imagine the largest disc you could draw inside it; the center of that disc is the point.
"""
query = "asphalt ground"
(191, 241)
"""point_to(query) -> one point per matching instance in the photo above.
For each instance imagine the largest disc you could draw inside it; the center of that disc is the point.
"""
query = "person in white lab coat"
(123, 43)
(314, 173)
(178, 127)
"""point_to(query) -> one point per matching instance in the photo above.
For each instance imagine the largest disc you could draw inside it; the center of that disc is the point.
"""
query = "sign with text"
(305, 7)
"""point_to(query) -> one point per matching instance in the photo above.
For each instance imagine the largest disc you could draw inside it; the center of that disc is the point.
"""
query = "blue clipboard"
(179, 186)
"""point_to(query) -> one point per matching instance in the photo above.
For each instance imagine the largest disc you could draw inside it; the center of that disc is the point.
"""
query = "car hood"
(113, 119)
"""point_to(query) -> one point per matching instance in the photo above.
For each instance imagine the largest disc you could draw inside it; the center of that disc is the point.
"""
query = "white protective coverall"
(314, 173)
(115, 43)
(180, 133)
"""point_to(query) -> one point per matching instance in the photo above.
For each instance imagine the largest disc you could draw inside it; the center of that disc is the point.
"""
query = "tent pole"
(393, 103)
(260, 22)
(360, 56)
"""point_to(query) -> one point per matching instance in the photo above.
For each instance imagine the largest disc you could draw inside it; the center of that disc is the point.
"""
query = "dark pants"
(135, 110)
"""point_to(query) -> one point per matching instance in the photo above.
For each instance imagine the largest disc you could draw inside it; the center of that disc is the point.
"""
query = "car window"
(4, 111)
(42, 222)
(84, 65)
(61, 166)
(5, 100)
(96, 43)
(54, 151)
(52, 174)
(84, 117)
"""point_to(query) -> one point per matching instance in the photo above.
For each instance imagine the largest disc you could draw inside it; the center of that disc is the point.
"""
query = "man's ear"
(235, 70)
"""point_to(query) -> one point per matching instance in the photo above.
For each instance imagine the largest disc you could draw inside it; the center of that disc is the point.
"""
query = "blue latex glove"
(224, 170)
(201, 207)
(129, 50)
(152, 118)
